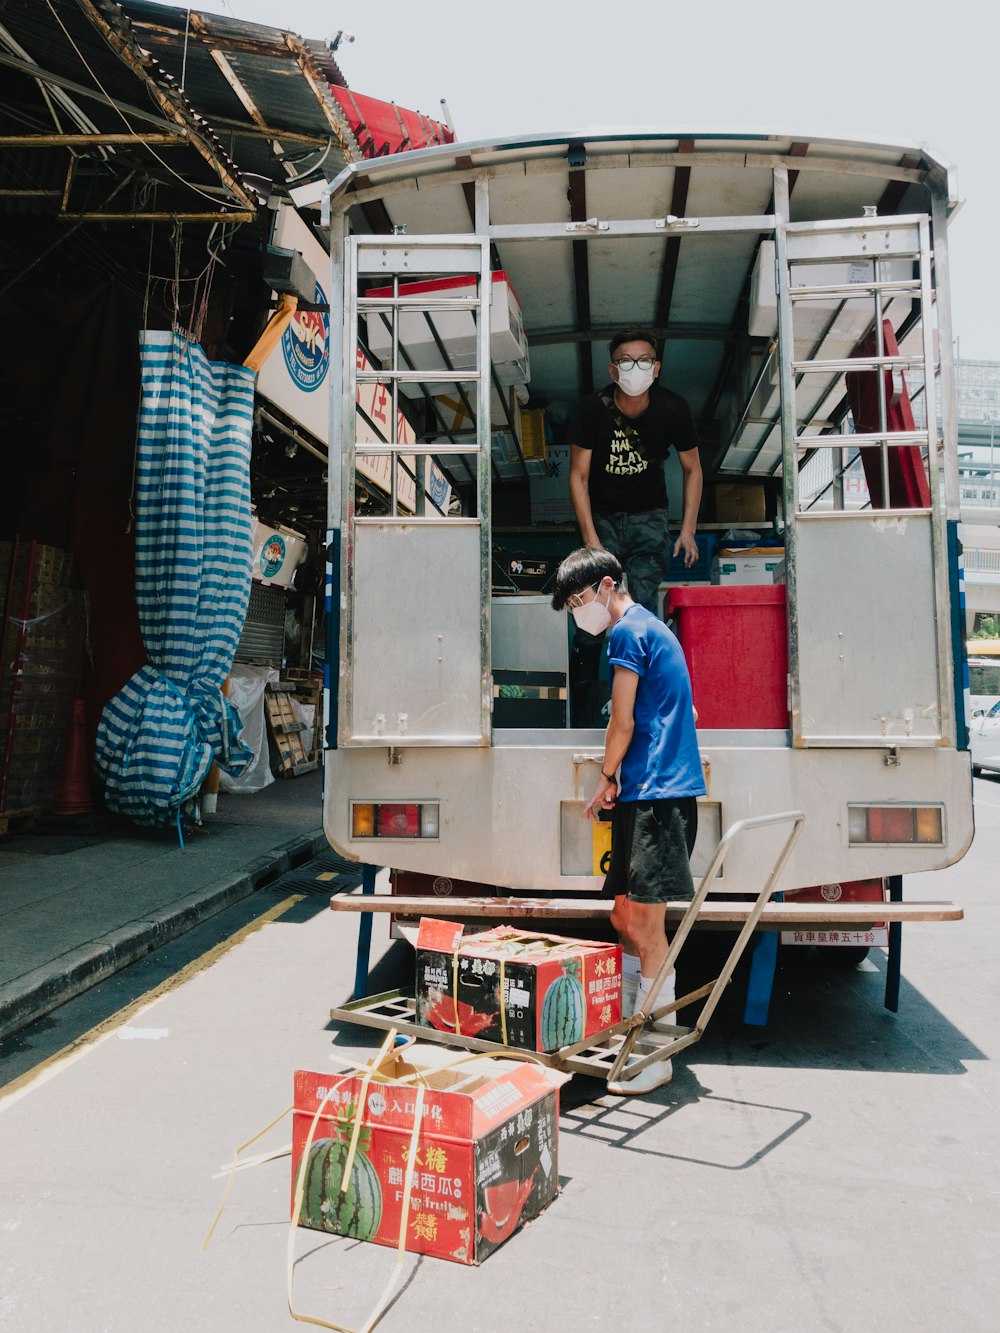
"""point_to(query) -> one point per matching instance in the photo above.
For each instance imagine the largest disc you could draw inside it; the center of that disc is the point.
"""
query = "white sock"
(668, 991)
(631, 972)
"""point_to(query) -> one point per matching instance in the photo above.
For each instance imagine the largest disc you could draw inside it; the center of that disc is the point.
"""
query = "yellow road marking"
(53, 1064)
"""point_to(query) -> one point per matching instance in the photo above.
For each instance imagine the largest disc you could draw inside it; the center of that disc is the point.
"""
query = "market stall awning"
(93, 129)
(267, 92)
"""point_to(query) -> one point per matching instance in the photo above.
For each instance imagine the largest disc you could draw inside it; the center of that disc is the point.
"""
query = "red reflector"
(888, 823)
(399, 821)
(849, 891)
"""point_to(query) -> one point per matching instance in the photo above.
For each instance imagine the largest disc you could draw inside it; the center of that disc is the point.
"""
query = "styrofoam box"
(277, 553)
(812, 317)
(456, 329)
(731, 568)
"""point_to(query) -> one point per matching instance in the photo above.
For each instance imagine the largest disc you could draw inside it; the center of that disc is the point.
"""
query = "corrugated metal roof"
(265, 90)
(75, 68)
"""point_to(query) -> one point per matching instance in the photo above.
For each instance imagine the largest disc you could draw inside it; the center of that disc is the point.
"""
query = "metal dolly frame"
(621, 1051)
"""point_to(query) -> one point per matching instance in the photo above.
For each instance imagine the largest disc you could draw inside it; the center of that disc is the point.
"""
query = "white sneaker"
(655, 1075)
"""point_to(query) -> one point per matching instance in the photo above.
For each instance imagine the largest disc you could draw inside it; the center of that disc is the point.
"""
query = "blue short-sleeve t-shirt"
(662, 760)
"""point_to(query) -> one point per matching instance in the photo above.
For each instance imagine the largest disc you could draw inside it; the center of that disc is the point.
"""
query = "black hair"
(582, 569)
(631, 336)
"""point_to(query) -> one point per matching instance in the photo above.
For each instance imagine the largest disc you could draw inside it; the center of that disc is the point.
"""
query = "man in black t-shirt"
(620, 438)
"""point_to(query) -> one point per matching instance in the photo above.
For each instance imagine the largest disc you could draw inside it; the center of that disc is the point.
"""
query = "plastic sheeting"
(160, 734)
(246, 692)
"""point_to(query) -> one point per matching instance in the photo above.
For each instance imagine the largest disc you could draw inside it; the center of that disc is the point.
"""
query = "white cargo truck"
(799, 289)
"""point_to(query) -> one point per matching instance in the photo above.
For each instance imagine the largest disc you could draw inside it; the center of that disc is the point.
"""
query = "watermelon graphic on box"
(326, 1205)
(516, 987)
(486, 1159)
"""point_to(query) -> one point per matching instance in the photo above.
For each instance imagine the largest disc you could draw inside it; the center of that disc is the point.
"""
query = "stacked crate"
(287, 731)
(43, 636)
(308, 689)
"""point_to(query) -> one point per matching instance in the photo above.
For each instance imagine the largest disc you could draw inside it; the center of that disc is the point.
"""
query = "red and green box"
(486, 1157)
(516, 987)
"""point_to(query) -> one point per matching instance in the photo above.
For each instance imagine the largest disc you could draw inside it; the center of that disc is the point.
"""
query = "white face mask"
(594, 617)
(636, 381)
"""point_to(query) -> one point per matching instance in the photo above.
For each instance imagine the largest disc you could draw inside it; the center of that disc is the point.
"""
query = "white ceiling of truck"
(691, 288)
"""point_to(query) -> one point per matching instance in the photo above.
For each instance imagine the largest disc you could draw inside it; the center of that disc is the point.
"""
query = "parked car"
(984, 740)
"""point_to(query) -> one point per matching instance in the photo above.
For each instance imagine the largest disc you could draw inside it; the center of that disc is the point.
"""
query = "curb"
(38, 992)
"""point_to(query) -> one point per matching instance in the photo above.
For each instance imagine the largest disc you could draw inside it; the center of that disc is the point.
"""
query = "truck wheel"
(848, 956)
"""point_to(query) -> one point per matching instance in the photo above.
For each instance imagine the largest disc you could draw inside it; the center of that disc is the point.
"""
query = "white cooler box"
(456, 329)
(756, 564)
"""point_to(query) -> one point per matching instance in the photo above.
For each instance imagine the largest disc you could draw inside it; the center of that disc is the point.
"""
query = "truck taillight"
(397, 819)
(896, 824)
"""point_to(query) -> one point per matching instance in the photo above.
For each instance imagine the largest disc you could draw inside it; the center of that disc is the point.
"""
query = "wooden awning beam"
(175, 139)
(227, 216)
(34, 71)
(130, 56)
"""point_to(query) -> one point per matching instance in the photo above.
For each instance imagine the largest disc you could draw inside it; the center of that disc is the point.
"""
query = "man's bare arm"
(579, 493)
(617, 738)
(690, 461)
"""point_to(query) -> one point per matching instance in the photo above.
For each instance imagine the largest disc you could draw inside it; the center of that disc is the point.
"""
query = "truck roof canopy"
(688, 282)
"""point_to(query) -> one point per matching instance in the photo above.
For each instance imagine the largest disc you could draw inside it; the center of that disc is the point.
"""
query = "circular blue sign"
(305, 345)
(272, 557)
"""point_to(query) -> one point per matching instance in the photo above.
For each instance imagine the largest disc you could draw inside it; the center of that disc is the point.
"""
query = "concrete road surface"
(836, 1170)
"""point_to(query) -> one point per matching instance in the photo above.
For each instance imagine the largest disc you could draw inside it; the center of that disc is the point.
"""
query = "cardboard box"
(277, 553)
(737, 502)
(524, 989)
(752, 566)
(486, 1160)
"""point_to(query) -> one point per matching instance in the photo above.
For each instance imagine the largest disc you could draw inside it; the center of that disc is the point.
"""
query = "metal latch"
(591, 224)
(671, 220)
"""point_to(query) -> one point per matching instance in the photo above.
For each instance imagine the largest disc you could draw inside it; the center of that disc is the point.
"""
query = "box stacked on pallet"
(44, 629)
(518, 987)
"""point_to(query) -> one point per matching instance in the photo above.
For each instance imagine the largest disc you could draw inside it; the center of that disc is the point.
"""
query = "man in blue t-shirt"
(654, 799)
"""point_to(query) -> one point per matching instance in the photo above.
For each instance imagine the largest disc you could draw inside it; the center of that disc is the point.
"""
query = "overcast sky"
(913, 72)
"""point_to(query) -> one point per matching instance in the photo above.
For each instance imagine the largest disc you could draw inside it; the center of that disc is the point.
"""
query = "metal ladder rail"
(583, 1062)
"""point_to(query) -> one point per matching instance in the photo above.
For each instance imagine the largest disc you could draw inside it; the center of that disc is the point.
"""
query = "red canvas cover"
(382, 128)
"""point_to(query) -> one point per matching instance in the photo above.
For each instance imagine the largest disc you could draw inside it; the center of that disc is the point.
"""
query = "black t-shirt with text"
(626, 469)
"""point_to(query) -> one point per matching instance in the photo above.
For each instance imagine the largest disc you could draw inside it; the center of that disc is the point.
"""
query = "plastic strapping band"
(373, 1070)
(345, 1178)
(454, 992)
(232, 1173)
(300, 1184)
(503, 1002)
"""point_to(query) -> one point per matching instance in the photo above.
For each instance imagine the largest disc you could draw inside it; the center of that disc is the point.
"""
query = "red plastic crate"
(735, 642)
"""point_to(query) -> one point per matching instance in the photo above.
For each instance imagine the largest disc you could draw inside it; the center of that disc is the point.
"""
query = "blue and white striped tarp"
(160, 734)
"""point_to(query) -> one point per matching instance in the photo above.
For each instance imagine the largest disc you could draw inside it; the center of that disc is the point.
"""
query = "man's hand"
(686, 543)
(603, 799)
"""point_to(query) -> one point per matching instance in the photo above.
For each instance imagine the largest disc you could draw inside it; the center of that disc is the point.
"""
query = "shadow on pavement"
(823, 1015)
(72, 1022)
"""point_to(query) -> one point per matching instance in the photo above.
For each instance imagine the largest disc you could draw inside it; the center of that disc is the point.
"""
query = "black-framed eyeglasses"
(643, 362)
